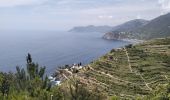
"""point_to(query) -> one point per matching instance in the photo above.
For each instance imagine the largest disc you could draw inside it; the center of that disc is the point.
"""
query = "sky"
(65, 14)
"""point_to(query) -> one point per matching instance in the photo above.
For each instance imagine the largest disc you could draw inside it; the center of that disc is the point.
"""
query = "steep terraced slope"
(131, 71)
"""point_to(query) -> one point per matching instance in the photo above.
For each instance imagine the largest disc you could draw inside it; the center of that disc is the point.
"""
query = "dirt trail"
(166, 78)
(130, 67)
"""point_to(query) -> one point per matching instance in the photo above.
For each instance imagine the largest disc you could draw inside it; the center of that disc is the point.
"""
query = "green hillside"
(133, 71)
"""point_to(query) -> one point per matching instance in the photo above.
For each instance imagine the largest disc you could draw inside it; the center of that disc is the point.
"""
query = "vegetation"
(134, 71)
(139, 72)
(32, 84)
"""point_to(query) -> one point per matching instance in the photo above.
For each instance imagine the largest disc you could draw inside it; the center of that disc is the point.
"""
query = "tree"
(29, 59)
(33, 69)
(5, 86)
(78, 91)
(129, 46)
(32, 78)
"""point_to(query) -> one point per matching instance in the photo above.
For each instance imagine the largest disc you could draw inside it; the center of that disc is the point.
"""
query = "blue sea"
(52, 48)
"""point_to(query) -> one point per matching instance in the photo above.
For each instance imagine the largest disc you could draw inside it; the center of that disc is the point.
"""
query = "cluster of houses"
(54, 81)
(62, 73)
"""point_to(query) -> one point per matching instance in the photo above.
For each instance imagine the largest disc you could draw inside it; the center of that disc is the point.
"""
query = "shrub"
(129, 46)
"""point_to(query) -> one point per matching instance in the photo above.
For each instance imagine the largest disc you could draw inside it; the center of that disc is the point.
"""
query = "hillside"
(156, 28)
(130, 72)
(91, 28)
(124, 30)
(130, 25)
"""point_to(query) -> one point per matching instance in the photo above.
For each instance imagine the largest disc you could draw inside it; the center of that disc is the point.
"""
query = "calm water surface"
(51, 48)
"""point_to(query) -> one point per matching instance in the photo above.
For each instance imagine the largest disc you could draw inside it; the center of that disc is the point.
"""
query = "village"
(63, 73)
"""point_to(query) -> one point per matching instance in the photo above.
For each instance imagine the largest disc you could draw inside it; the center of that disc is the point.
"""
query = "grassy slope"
(131, 72)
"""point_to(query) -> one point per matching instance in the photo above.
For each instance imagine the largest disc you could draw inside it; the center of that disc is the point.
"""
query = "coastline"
(133, 41)
(67, 70)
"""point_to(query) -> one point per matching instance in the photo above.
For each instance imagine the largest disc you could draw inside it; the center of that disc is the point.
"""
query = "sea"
(52, 49)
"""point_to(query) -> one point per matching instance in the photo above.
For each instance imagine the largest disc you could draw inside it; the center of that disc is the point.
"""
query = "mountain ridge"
(91, 28)
(124, 30)
(158, 27)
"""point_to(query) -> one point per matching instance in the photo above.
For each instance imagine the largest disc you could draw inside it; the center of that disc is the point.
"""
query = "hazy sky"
(64, 14)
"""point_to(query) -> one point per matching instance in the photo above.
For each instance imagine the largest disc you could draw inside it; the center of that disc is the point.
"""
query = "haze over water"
(52, 48)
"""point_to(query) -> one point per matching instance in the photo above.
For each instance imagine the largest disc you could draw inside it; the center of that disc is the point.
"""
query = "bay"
(52, 48)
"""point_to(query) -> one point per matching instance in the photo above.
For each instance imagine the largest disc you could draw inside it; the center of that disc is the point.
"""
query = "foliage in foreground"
(31, 84)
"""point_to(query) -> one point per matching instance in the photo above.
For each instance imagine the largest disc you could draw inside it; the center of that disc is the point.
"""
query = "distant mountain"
(124, 30)
(91, 28)
(156, 28)
(131, 25)
(142, 29)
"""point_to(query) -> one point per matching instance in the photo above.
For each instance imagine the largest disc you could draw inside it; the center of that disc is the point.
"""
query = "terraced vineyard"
(131, 71)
